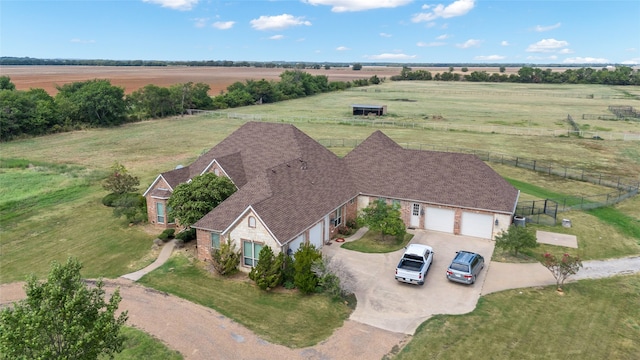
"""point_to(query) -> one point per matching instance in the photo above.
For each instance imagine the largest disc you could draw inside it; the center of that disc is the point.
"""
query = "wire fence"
(622, 188)
(435, 126)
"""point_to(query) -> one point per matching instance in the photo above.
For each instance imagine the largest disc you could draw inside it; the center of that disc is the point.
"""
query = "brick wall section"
(151, 205)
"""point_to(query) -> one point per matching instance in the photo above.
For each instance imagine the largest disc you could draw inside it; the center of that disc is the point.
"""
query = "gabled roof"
(291, 190)
(383, 168)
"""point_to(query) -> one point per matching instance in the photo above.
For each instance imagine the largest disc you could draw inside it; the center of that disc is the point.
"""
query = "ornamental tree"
(516, 238)
(120, 181)
(193, 200)
(561, 268)
(62, 318)
(383, 218)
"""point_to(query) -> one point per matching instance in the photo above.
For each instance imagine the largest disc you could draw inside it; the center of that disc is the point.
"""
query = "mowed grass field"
(74, 222)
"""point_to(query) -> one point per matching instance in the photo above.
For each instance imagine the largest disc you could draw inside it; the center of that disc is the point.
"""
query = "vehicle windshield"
(459, 267)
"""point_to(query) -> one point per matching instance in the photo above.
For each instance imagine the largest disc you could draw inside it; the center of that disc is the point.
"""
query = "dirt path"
(202, 333)
(198, 332)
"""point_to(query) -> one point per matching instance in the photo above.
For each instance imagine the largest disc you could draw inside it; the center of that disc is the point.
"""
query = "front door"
(415, 216)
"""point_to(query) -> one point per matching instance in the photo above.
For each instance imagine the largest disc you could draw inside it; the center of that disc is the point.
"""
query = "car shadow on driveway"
(388, 304)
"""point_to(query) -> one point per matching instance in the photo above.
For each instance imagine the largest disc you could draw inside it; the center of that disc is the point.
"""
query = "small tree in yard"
(561, 268)
(304, 279)
(268, 271)
(120, 181)
(515, 239)
(62, 318)
(383, 218)
(226, 259)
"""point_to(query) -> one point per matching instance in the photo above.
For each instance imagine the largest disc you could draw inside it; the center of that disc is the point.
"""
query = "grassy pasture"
(539, 106)
(595, 319)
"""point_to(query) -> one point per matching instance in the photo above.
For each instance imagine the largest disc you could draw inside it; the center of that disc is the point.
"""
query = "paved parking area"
(388, 304)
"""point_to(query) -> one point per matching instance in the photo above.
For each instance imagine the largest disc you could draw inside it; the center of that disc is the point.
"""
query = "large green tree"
(384, 218)
(62, 318)
(193, 200)
(94, 103)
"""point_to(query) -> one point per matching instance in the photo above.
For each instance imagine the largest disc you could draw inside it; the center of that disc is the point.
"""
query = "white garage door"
(477, 225)
(440, 219)
(315, 235)
(296, 243)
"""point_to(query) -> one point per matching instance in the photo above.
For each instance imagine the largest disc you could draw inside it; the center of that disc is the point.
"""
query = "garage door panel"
(439, 219)
(315, 235)
(477, 225)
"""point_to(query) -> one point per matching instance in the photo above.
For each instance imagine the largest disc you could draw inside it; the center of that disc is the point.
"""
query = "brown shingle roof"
(380, 167)
(289, 193)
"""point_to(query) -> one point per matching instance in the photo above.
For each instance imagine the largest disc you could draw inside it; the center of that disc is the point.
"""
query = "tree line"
(621, 75)
(98, 103)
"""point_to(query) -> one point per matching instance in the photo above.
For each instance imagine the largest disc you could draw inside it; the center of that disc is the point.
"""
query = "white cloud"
(430, 44)
(276, 37)
(585, 60)
(566, 51)
(469, 44)
(489, 57)
(635, 61)
(175, 4)
(358, 5)
(443, 37)
(200, 22)
(541, 28)
(223, 25)
(278, 22)
(388, 56)
(385, 35)
(81, 41)
(631, 49)
(456, 8)
(504, 43)
(547, 45)
(342, 48)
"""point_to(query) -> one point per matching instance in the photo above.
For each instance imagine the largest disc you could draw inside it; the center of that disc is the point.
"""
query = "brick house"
(292, 190)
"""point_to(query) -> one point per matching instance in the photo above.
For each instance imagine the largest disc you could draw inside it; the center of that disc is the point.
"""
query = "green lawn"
(595, 319)
(370, 242)
(276, 316)
(140, 345)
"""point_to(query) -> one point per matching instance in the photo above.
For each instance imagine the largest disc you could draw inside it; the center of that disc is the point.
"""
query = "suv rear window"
(459, 267)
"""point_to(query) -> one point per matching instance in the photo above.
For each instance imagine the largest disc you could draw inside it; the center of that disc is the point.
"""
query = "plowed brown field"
(133, 78)
(218, 78)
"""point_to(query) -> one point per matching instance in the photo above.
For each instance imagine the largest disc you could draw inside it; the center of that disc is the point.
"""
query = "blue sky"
(399, 31)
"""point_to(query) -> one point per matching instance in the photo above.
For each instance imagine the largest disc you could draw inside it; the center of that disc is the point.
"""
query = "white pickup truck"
(414, 264)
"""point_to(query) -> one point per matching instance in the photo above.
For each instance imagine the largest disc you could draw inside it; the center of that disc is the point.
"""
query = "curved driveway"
(386, 314)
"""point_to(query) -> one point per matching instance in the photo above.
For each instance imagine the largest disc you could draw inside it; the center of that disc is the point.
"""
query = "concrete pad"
(550, 238)
(504, 276)
(388, 304)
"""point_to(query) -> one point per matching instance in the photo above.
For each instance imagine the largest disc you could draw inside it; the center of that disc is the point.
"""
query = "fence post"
(516, 161)
(534, 165)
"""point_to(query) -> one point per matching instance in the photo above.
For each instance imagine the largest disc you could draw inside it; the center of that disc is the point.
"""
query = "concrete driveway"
(388, 304)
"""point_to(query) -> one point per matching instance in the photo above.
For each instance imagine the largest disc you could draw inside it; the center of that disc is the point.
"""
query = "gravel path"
(202, 333)
(198, 332)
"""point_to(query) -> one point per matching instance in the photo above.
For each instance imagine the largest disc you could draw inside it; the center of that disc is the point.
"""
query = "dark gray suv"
(465, 267)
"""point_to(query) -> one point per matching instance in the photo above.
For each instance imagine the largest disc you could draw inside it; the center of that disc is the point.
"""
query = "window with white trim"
(160, 212)
(252, 221)
(215, 240)
(337, 217)
(250, 252)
